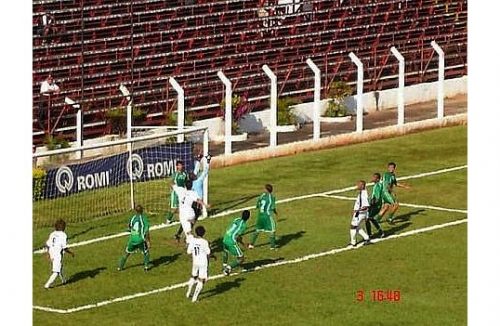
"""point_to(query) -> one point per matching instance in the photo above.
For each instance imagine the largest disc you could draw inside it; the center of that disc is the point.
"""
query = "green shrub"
(58, 142)
(338, 91)
(171, 118)
(39, 177)
(285, 114)
(117, 118)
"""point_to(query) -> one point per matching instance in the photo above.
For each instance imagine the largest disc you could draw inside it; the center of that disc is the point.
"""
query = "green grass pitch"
(429, 269)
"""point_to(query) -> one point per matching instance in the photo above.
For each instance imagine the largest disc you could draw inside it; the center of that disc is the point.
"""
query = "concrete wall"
(373, 101)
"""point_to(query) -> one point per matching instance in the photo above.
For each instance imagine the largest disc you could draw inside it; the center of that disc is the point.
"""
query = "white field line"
(279, 263)
(234, 211)
(436, 208)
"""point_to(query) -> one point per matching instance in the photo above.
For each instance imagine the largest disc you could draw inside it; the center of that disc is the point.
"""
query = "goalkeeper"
(198, 180)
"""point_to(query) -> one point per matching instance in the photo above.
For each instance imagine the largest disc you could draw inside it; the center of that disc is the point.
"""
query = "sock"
(225, 257)
(254, 237)
(170, 216)
(146, 258)
(353, 236)
(61, 276)
(190, 286)
(179, 231)
(369, 227)
(272, 240)
(390, 216)
(123, 259)
(234, 263)
(363, 234)
(51, 280)
(377, 225)
(197, 290)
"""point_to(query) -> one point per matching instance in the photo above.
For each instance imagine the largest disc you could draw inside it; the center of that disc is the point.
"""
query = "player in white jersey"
(57, 245)
(200, 251)
(360, 214)
(187, 216)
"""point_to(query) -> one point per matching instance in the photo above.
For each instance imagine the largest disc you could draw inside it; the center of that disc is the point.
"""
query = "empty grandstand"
(92, 47)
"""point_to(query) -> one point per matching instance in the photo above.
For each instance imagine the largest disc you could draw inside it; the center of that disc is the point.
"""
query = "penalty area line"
(436, 208)
(238, 210)
(279, 263)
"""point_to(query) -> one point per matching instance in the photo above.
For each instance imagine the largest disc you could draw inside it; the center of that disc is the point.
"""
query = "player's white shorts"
(186, 225)
(356, 220)
(56, 262)
(200, 270)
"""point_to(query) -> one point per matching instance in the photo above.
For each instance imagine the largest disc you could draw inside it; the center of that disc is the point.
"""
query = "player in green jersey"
(266, 205)
(139, 237)
(389, 181)
(179, 178)
(230, 242)
(375, 206)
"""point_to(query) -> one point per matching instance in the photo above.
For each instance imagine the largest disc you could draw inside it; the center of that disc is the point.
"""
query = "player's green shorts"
(388, 198)
(133, 246)
(233, 249)
(265, 223)
(174, 200)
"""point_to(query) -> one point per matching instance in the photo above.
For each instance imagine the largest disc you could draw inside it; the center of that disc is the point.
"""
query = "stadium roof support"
(317, 98)
(273, 105)
(228, 114)
(440, 92)
(359, 92)
(401, 89)
(180, 107)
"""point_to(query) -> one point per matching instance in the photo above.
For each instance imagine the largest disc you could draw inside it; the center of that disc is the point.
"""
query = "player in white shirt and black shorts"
(57, 245)
(200, 251)
(187, 199)
(360, 214)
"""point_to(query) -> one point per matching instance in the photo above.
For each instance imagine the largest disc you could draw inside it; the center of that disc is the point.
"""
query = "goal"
(106, 179)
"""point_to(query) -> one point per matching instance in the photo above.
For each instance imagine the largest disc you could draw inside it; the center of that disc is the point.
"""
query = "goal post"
(110, 177)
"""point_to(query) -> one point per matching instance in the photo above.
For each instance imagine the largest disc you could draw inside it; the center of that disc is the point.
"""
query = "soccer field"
(312, 279)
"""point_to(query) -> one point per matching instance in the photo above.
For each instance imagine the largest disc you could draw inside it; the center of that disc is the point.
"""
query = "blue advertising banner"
(147, 164)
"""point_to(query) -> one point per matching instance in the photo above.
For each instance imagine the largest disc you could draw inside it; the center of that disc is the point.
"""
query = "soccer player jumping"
(139, 238)
(266, 205)
(230, 242)
(388, 196)
(179, 179)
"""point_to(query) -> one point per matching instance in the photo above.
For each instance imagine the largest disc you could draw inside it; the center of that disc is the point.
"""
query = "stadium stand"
(100, 44)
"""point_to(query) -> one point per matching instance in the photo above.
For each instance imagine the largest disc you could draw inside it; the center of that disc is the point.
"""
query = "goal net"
(104, 180)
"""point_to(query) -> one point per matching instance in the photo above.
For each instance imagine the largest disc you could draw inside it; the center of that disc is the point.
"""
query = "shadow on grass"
(256, 263)
(231, 204)
(163, 260)
(408, 216)
(222, 287)
(85, 274)
(283, 239)
(397, 228)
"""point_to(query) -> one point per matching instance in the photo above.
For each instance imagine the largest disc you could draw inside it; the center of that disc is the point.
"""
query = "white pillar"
(180, 107)
(205, 153)
(401, 89)
(273, 105)
(317, 99)
(79, 134)
(359, 95)
(228, 114)
(440, 93)
(129, 147)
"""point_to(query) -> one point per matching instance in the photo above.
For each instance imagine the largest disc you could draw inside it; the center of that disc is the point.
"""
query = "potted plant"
(117, 119)
(336, 110)
(240, 108)
(286, 120)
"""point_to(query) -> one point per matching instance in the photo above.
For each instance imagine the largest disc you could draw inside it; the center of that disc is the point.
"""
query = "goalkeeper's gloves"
(208, 157)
